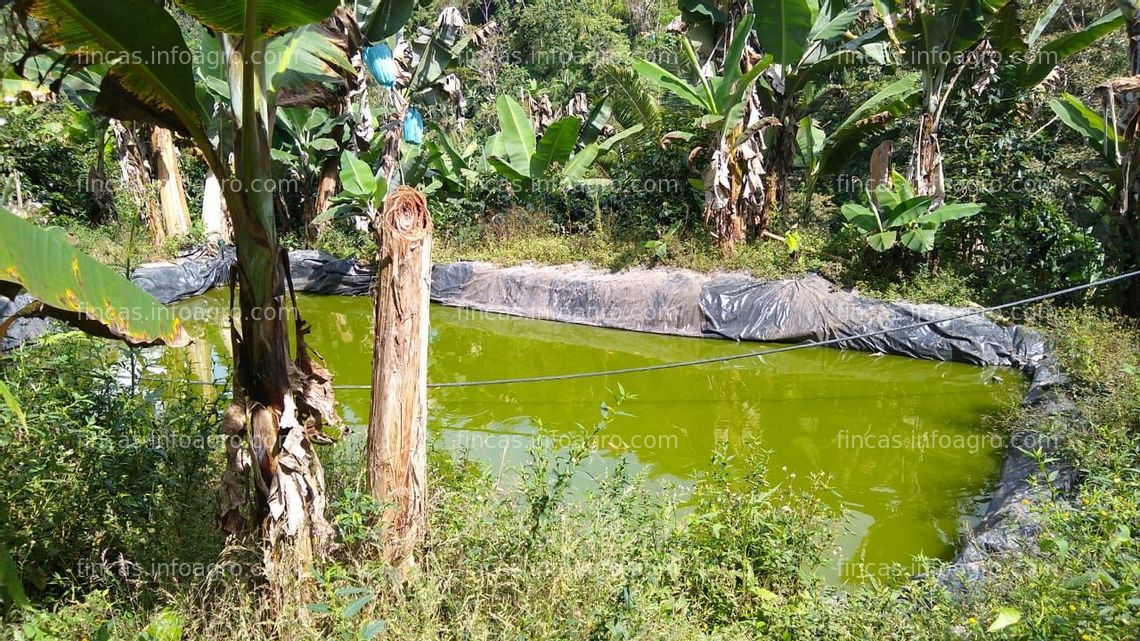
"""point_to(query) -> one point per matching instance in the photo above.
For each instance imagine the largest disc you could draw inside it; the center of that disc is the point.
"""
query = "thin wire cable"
(736, 357)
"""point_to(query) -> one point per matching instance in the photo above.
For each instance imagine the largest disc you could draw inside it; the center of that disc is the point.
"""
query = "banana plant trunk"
(175, 215)
(279, 400)
(397, 425)
(925, 171)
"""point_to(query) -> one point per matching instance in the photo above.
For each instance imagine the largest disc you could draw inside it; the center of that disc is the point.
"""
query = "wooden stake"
(397, 426)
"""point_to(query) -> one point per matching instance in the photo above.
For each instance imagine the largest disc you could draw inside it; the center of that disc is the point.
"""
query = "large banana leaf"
(874, 114)
(153, 80)
(1064, 46)
(556, 145)
(269, 16)
(666, 80)
(75, 288)
(1089, 124)
(514, 145)
(732, 72)
(783, 27)
(386, 17)
(305, 56)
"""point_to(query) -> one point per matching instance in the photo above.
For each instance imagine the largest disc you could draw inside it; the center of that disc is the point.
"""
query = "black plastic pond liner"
(685, 303)
(187, 277)
(812, 309)
(22, 329)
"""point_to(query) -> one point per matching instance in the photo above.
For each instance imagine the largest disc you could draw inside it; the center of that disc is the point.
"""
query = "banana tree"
(563, 154)
(821, 153)
(936, 35)
(280, 403)
(807, 39)
(733, 178)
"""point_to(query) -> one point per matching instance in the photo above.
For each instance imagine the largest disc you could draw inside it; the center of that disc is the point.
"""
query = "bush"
(101, 483)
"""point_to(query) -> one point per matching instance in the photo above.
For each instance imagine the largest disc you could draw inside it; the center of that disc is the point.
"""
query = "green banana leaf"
(77, 289)
(269, 16)
(385, 18)
(556, 145)
(514, 145)
(153, 81)
(783, 27)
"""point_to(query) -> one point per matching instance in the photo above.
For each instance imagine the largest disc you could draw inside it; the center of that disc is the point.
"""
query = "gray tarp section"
(315, 272)
(23, 329)
(812, 309)
(186, 277)
(736, 307)
(661, 301)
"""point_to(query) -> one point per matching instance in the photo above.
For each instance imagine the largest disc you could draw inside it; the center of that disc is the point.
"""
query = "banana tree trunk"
(925, 171)
(175, 215)
(134, 175)
(326, 189)
(722, 200)
(215, 216)
(279, 402)
(397, 425)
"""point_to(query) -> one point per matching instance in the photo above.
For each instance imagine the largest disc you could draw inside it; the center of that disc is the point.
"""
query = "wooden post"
(397, 425)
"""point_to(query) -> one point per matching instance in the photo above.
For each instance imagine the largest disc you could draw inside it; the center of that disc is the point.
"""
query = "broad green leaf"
(579, 164)
(1066, 45)
(596, 120)
(783, 27)
(882, 241)
(153, 79)
(874, 115)
(555, 146)
(706, 8)
(918, 240)
(666, 80)
(13, 405)
(434, 49)
(860, 216)
(354, 608)
(1043, 22)
(909, 210)
(1005, 618)
(79, 290)
(514, 144)
(305, 56)
(609, 143)
(953, 211)
(732, 72)
(809, 142)
(887, 198)
(1087, 123)
(829, 29)
(386, 17)
(332, 213)
(269, 16)
(356, 176)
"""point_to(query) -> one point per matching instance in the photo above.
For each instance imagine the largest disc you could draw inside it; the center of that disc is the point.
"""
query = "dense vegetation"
(107, 508)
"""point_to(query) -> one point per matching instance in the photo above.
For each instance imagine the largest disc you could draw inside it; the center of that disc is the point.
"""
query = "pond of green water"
(904, 441)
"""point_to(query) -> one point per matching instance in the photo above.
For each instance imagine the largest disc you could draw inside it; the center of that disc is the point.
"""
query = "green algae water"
(904, 441)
